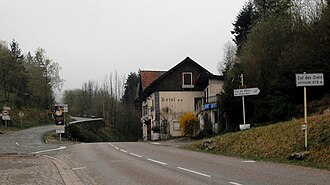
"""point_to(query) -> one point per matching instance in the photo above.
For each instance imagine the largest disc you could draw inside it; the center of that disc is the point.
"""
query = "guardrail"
(84, 120)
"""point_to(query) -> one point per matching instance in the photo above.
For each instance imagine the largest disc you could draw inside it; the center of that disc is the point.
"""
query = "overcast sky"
(93, 38)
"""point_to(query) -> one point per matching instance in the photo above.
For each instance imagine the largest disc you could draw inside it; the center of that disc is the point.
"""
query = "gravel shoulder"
(28, 169)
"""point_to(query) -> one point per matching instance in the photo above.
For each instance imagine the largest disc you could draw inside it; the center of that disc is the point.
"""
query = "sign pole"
(304, 80)
(305, 113)
(243, 102)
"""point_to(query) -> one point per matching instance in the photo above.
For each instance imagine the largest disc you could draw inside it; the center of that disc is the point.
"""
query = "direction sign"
(246, 92)
(312, 79)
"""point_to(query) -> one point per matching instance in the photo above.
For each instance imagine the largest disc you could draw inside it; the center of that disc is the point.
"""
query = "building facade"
(164, 96)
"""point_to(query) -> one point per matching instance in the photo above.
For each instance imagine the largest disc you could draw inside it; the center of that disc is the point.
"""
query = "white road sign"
(60, 129)
(312, 79)
(66, 108)
(246, 92)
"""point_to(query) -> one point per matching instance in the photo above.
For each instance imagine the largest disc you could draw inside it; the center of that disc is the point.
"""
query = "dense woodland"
(274, 40)
(27, 81)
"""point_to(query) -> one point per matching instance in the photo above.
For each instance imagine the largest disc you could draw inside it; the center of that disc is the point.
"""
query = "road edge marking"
(50, 150)
(78, 168)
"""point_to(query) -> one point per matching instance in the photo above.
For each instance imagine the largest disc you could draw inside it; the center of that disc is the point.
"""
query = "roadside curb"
(68, 176)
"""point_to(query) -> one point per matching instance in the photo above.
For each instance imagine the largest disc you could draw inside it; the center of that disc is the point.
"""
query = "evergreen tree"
(243, 25)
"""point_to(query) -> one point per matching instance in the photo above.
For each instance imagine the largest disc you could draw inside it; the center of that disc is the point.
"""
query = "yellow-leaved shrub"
(188, 123)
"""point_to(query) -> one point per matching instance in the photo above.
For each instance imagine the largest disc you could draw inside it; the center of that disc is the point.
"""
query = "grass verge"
(276, 143)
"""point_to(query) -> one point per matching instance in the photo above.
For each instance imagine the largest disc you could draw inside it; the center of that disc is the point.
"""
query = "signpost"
(242, 93)
(59, 117)
(303, 80)
(5, 114)
(314, 79)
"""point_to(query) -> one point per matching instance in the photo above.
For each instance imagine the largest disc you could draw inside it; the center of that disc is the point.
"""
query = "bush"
(156, 129)
(188, 124)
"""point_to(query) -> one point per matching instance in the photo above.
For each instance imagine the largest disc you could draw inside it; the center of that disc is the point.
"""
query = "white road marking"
(50, 150)
(21, 145)
(155, 143)
(235, 183)
(249, 161)
(110, 144)
(136, 155)
(79, 168)
(123, 151)
(195, 172)
(155, 161)
(116, 148)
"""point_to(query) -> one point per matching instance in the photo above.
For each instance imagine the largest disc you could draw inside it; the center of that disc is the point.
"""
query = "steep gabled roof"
(186, 60)
(147, 77)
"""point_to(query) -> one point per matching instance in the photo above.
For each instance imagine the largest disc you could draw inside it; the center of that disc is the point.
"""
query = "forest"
(273, 41)
(28, 82)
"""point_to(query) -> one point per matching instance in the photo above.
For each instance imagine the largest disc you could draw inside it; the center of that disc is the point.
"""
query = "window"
(176, 125)
(187, 80)
(206, 95)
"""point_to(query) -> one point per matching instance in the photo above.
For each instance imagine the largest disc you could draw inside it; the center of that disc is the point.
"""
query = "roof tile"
(147, 77)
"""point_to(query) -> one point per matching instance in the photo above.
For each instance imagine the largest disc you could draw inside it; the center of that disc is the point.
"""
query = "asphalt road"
(153, 163)
(147, 163)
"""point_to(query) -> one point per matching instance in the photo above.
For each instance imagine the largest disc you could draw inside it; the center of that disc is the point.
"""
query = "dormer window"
(187, 80)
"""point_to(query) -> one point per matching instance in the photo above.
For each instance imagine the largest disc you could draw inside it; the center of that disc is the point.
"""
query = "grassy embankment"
(276, 142)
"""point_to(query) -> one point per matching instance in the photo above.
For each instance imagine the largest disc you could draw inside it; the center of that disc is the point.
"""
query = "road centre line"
(235, 183)
(123, 151)
(116, 148)
(155, 161)
(155, 143)
(195, 172)
(136, 155)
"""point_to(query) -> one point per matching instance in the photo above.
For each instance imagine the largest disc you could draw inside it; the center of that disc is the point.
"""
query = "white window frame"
(176, 125)
(191, 85)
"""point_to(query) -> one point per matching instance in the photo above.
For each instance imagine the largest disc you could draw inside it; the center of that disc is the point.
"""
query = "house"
(164, 96)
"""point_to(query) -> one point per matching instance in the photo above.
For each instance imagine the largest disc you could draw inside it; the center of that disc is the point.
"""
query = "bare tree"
(229, 57)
